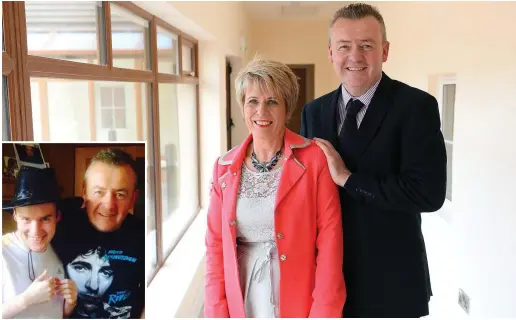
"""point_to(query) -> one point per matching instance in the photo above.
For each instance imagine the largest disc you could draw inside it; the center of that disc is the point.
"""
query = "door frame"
(310, 79)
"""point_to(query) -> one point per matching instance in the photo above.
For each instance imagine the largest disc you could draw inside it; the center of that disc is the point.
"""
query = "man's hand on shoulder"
(338, 170)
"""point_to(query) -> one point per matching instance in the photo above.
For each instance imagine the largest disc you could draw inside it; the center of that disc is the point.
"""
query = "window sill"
(177, 290)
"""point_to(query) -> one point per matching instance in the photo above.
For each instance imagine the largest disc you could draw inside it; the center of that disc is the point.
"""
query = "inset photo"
(73, 222)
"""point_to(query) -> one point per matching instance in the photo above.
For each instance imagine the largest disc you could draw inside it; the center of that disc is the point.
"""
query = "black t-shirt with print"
(107, 267)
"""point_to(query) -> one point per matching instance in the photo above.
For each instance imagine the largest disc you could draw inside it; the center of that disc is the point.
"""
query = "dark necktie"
(352, 109)
(349, 129)
(350, 122)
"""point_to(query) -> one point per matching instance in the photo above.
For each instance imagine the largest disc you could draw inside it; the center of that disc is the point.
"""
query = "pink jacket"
(308, 222)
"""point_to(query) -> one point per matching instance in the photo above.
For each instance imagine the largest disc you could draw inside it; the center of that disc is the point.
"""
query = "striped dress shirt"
(365, 99)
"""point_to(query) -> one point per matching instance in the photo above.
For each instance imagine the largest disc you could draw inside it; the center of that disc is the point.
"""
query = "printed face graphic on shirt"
(93, 274)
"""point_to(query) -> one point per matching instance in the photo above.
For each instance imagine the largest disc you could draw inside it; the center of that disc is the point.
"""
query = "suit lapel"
(376, 111)
(328, 119)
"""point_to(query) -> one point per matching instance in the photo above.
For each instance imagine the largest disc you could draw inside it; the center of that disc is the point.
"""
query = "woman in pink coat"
(274, 239)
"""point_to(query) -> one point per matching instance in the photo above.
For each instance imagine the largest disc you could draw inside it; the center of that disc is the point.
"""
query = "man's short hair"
(356, 11)
(115, 157)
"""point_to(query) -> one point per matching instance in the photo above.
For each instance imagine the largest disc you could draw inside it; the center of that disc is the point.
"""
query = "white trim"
(440, 86)
(305, 143)
(442, 81)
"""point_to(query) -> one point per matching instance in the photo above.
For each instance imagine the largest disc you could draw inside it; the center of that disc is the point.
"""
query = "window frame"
(443, 81)
(19, 67)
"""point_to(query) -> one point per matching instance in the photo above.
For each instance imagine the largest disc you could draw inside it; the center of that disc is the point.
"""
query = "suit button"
(280, 235)
(223, 185)
(234, 173)
(233, 223)
(283, 257)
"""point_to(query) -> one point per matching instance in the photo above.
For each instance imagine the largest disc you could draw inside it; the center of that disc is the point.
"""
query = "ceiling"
(306, 10)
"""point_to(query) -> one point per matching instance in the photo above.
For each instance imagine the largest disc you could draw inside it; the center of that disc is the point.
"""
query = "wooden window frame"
(20, 67)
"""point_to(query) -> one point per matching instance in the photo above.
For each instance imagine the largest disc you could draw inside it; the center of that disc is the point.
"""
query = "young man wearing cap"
(33, 279)
(107, 258)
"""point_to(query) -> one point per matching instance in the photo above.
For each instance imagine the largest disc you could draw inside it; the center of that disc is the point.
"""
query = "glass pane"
(120, 118)
(106, 97)
(179, 159)
(119, 97)
(449, 154)
(151, 248)
(6, 129)
(448, 110)
(106, 116)
(168, 56)
(77, 110)
(66, 30)
(130, 39)
(188, 58)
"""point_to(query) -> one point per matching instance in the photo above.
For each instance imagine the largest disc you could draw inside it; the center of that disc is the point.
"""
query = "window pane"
(448, 110)
(188, 58)
(151, 249)
(120, 118)
(168, 56)
(130, 39)
(106, 97)
(70, 110)
(119, 97)
(179, 159)
(67, 30)
(6, 130)
(449, 155)
(106, 118)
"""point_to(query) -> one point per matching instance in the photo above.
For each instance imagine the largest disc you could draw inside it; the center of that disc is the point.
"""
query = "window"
(67, 30)
(112, 107)
(88, 75)
(179, 160)
(188, 57)
(168, 52)
(81, 110)
(151, 243)
(447, 110)
(130, 39)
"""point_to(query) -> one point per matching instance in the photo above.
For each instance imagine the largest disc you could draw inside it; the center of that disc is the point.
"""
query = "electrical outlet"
(464, 301)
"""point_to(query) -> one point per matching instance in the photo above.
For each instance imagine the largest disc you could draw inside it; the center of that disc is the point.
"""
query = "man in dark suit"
(385, 150)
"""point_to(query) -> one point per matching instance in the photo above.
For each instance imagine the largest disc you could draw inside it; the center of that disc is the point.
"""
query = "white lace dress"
(256, 244)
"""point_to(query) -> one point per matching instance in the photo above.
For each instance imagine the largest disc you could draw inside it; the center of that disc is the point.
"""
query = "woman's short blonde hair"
(272, 76)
